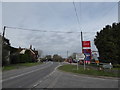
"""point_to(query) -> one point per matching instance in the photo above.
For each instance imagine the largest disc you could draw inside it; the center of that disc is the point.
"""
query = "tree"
(107, 42)
(48, 57)
(57, 58)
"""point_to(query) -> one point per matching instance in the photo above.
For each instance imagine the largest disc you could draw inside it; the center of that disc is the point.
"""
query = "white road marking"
(46, 76)
(35, 85)
(24, 73)
(94, 77)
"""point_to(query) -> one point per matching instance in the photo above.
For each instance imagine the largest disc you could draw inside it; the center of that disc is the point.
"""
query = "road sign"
(86, 44)
(80, 56)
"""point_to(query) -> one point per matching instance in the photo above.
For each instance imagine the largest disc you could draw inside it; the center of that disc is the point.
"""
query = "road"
(47, 76)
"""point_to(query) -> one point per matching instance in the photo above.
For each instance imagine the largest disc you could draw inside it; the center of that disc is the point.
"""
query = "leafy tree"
(107, 42)
(15, 58)
(57, 58)
(24, 58)
(48, 57)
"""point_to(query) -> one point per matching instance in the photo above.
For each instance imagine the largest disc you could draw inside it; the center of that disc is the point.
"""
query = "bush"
(15, 59)
(116, 66)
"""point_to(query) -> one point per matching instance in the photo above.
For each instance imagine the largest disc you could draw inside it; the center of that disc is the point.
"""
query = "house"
(5, 49)
(30, 54)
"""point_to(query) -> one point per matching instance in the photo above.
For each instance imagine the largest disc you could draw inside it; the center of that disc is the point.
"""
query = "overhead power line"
(38, 30)
(104, 16)
(76, 13)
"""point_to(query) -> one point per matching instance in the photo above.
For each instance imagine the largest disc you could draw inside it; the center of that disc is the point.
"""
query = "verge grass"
(16, 66)
(88, 71)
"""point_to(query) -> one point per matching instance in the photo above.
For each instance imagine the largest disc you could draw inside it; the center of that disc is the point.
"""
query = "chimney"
(19, 48)
(34, 49)
(30, 46)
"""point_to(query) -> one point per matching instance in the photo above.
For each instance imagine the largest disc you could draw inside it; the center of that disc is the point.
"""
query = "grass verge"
(88, 71)
(16, 66)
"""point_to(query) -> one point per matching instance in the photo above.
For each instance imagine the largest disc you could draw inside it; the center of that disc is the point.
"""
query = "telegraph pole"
(81, 41)
(3, 34)
(3, 38)
(82, 47)
(4, 31)
(67, 54)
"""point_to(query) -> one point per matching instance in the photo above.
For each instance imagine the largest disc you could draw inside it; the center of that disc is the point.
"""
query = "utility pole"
(2, 40)
(3, 37)
(67, 54)
(3, 34)
(81, 41)
(4, 31)
(82, 47)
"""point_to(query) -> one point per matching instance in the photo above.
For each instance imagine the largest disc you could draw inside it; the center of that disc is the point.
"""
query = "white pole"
(77, 61)
(77, 64)
(84, 64)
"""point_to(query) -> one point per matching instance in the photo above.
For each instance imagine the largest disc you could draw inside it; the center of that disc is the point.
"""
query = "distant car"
(93, 63)
(81, 62)
(74, 61)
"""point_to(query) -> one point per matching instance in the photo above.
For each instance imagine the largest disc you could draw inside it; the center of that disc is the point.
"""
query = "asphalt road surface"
(47, 76)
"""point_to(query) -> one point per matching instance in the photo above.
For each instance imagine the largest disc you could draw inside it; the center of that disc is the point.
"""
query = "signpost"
(86, 46)
(87, 51)
(80, 56)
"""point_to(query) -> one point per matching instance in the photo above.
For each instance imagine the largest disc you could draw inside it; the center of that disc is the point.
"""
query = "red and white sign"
(86, 49)
(86, 44)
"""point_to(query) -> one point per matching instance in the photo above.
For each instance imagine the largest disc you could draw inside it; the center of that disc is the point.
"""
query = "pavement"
(48, 76)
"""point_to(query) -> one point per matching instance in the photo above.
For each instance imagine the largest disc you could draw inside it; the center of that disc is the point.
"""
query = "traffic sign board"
(80, 56)
(86, 44)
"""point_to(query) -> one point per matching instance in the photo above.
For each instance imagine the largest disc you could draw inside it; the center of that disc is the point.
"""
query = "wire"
(36, 30)
(105, 14)
(80, 12)
(118, 11)
(76, 13)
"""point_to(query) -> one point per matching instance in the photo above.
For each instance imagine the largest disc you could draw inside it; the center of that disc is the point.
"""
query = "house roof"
(23, 51)
(32, 51)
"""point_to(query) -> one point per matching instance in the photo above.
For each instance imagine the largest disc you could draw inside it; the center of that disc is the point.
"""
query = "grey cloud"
(55, 17)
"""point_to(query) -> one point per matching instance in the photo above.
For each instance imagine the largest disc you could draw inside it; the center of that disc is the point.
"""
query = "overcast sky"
(56, 16)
